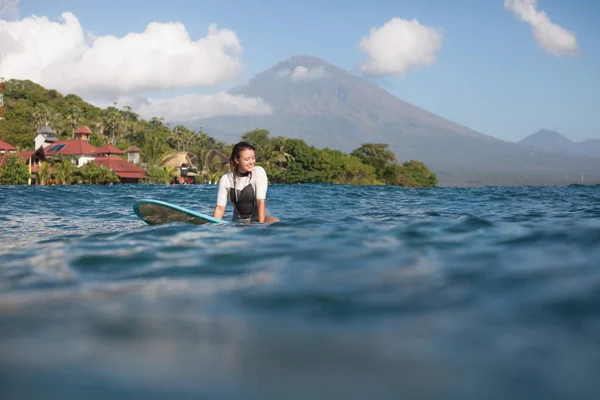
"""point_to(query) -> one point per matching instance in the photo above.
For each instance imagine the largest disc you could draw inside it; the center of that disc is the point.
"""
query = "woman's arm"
(261, 192)
(221, 198)
(262, 210)
(218, 212)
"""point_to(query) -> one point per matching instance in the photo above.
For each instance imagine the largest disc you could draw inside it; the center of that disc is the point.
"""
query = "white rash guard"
(247, 197)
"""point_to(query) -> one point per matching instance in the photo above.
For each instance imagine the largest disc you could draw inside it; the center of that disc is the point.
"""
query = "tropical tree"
(113, 121)
(177, 136)
(158, 175)
(154, 151)
(157, 122)
(64, 170)
(42, 116)
(376, 154)
(281, 156)
(14, 171)
(43, 173)
(93, 173)
(74, 116)
(416, 174)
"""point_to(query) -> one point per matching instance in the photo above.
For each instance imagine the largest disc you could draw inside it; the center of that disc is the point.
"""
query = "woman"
(249, 184)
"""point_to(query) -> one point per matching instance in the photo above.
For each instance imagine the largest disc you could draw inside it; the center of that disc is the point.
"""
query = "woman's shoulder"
(259, 170)
(226, 178)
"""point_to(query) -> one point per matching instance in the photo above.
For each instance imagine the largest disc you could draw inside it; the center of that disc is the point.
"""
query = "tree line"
(29, 106)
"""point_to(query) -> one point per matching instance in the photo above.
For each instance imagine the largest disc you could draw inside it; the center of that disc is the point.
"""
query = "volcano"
(327, 106)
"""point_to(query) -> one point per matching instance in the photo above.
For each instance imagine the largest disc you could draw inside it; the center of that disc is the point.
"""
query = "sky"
(505, 68)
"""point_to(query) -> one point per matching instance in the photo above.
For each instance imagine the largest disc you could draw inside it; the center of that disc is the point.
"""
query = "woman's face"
(246, 160)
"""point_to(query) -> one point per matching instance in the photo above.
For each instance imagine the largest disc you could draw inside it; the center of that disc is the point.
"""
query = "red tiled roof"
(110, 149)
(133, 149)
(83, 129)
(26, 154)
(6, 146)
(122, 168)
(72, 147)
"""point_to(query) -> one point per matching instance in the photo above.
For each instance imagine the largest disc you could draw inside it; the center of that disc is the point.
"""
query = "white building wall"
(39, 141)
(81, 161)
(133, 157)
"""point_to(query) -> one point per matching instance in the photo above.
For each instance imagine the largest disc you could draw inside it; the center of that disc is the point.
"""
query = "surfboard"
(155, 212)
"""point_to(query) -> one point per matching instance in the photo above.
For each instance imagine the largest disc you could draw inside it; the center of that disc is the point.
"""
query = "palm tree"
(41, 116)
(178, 135)
(59, 122)
(281, 157)
(63, 171)
(112, 123)
(43, 173)
(189, 139)
(157, 122)
(127, 111)
(74, 116)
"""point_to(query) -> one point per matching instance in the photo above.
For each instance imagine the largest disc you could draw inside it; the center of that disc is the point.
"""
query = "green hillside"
(29, 106)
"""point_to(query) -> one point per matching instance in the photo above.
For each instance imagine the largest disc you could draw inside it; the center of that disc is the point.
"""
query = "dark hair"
(235, 153)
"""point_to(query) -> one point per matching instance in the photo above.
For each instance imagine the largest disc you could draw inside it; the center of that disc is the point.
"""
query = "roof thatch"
(176, 159)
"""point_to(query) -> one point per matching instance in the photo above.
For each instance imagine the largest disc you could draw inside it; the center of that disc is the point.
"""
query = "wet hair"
(235, 153)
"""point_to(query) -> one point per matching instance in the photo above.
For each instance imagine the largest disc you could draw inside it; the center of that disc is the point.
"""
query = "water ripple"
(358, 291)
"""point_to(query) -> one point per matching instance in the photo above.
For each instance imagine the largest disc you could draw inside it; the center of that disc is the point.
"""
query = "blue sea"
(357, 293)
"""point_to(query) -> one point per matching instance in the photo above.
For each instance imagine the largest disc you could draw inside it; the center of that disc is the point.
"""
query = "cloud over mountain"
(551, 37)
(302, 73)
(193, 107)
(398, 46)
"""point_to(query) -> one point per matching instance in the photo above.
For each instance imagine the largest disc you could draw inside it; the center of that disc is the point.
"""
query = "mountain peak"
(546, 138)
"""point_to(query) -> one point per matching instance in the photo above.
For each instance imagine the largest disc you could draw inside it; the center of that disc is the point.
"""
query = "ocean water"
(359, 292)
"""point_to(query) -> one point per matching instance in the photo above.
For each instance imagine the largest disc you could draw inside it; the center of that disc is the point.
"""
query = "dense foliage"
(13, 171)
(29, 107)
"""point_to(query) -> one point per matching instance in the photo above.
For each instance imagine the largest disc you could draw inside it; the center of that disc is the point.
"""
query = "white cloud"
(304, 73)
(301, 73)
(551, 37)
(398, 46)
(9, 6)
(191, 107)
(61, 56)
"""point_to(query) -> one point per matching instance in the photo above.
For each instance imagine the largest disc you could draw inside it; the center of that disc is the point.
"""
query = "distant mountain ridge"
(555, 142)
(328, 107)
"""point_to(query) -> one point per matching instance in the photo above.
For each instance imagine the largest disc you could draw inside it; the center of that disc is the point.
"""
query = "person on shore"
(246, 186)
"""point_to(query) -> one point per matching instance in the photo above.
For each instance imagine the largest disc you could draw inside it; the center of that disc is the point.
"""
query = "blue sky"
(489, 73)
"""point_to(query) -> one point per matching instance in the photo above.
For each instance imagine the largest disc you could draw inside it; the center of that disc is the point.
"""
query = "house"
(108, 156)
(82, 133)
(5, 150)
(183, 164)
(7, 147)
(80, 151)
(126, 171)
(34, 160)
(133, 154)
(45, 136)
(109, 149)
